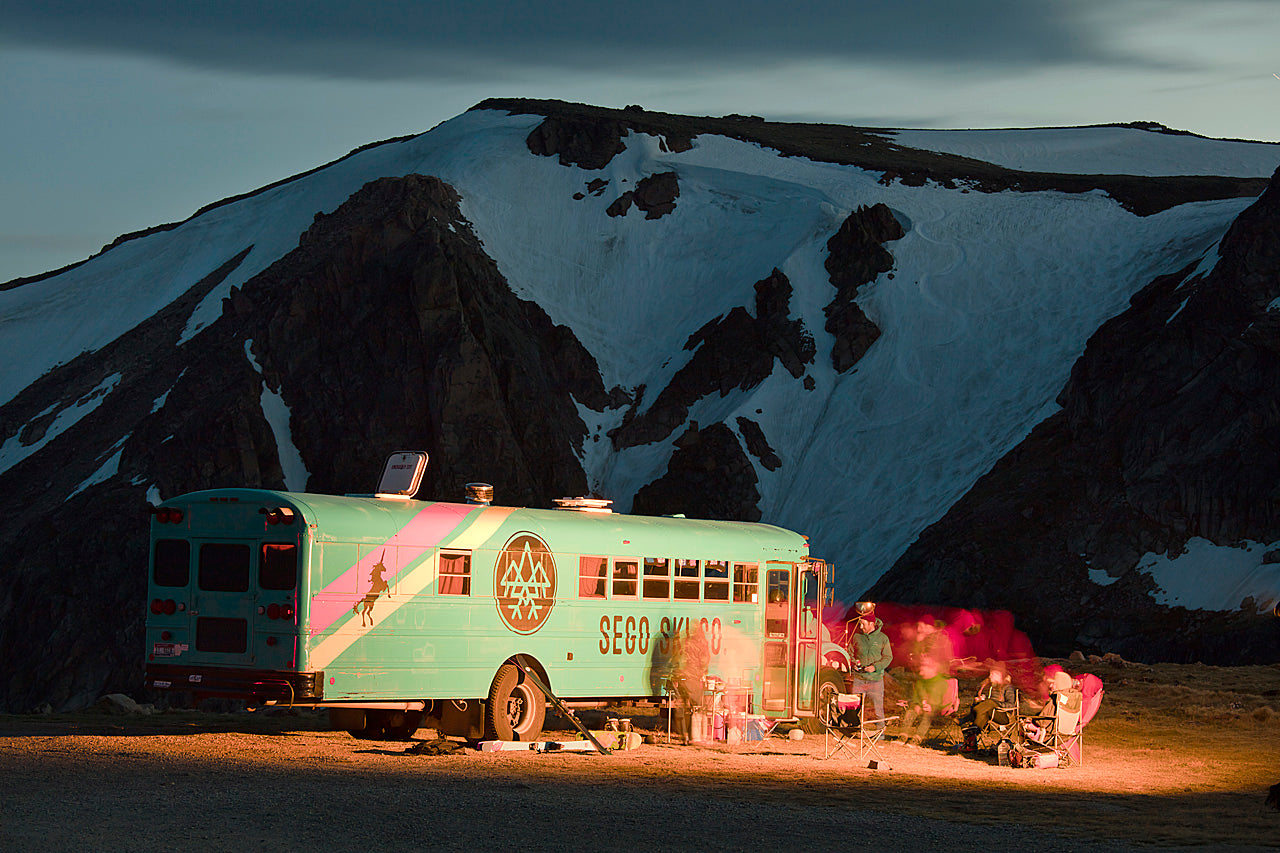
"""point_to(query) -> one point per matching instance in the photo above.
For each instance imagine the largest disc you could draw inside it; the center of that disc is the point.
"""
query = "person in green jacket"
(871, 654)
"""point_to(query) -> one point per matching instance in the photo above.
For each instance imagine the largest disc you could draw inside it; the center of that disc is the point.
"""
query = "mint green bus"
(391, 611)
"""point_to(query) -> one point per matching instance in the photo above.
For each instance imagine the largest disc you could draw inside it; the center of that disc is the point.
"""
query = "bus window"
(687, 580)
(591, 575)
(278, 566)
(746, 577)
(657, 577)
(173, 562)
(777, 606)
(625, 573)
(455, 573)
(808, 605)
(224, 567)
(716, 587)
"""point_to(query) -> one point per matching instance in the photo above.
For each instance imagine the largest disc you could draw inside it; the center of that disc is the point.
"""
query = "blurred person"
(995, 696)
(686, 669)
(931, 646)
(928, 697)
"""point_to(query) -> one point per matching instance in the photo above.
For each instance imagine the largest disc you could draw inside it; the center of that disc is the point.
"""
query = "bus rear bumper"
(252, 684)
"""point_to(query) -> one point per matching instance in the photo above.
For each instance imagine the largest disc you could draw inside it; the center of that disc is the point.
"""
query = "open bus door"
(792, 638)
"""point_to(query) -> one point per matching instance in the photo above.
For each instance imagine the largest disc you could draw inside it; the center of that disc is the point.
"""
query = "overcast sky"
(116, 116)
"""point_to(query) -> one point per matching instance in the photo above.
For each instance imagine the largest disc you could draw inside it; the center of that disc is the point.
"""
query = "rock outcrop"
(856, 256)
(655, 195)
(709, 476)
(733, 351)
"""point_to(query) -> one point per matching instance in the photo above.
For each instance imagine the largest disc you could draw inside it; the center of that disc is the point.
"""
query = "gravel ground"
(254, 782)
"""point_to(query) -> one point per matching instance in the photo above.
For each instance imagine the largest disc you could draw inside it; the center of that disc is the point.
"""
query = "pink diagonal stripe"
(424, 530)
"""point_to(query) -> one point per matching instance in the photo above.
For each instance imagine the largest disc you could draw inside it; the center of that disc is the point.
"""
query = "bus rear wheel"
(516, 708)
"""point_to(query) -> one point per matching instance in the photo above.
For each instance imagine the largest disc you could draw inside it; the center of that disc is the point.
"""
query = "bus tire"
(516, 708)
(401, 725)
(369, 727)
(829, 684)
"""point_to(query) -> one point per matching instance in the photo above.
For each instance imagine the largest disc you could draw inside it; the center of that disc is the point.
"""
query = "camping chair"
(1003, 725)
(848, 727)
(841, 719)
(1074, 704)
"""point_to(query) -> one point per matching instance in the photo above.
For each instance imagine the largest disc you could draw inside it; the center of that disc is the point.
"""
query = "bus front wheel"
(516, 708)
(829, 684)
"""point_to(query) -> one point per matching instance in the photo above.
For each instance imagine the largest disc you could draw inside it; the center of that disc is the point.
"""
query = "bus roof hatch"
(402, 474)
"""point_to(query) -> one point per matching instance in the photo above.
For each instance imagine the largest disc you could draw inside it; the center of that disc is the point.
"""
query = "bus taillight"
(165, 607)
(278, 515)
(167, 515)
(273, 611)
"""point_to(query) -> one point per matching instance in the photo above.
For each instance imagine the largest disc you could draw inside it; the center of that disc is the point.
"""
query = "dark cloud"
(410, 39)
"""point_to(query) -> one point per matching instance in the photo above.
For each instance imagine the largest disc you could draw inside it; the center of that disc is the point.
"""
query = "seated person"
(928, 695)
(996, 699)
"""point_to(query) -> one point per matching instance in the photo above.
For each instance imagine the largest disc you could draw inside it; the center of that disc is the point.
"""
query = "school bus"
(388, 610)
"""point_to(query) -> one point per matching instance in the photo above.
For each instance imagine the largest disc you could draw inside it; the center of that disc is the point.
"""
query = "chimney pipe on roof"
(479, 493)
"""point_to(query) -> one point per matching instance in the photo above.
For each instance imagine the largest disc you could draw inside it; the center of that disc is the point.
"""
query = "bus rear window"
(224, 567)
(687, 579)
(172, 562)
(625, 573)
(592, 572)
(278, 566)
(657, 577)
(455, 574)
(214, 634)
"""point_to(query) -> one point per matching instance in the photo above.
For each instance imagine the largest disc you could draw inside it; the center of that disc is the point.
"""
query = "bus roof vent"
(584, 504)
(479, 493)
(402, 474)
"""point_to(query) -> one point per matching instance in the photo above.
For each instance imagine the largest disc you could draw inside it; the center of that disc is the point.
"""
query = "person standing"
(871, 653)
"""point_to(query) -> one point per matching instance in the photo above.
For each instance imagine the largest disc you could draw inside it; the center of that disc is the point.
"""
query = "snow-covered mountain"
(837, 330)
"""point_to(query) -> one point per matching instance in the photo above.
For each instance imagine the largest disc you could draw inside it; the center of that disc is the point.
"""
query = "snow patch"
(276, 412)
(1101, 151)
(1214, 577)
(108, 470)
(1101, 578)
(14, 451)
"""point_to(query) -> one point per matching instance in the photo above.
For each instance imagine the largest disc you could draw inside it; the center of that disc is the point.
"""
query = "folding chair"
(870, 735)
(848, 732)
(841, 717)
(1062, 732)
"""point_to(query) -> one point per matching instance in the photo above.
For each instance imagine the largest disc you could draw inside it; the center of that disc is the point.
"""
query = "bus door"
(792, 616)
(778, 640)
(807, 637)
(223, 601)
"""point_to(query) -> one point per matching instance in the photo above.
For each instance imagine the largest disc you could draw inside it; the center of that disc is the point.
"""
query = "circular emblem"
(524, 583)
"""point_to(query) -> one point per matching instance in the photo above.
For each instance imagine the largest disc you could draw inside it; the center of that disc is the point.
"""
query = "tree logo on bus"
(524, 583)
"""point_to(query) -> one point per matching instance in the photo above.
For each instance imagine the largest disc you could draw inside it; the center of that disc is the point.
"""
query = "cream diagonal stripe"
(328, 649)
